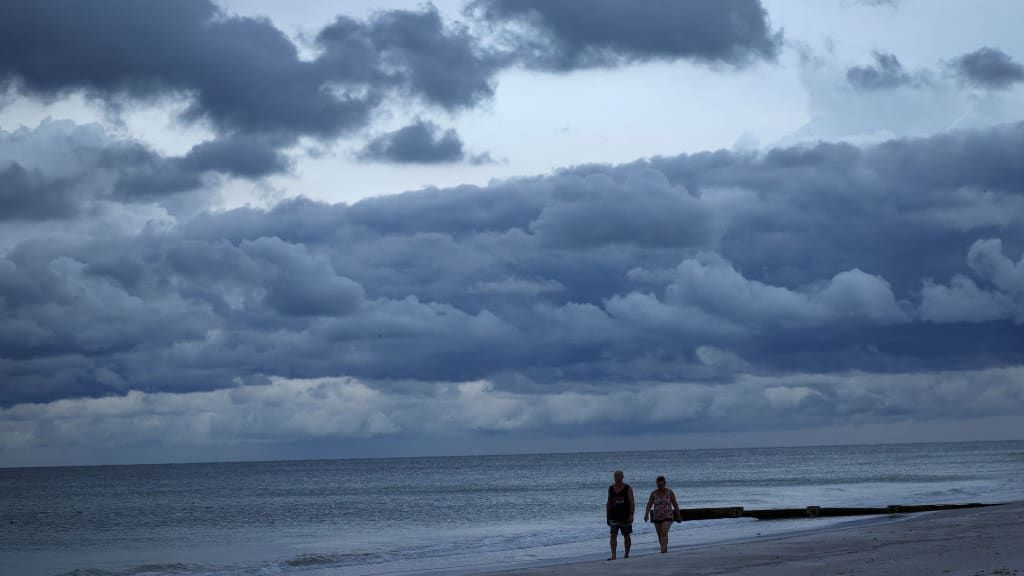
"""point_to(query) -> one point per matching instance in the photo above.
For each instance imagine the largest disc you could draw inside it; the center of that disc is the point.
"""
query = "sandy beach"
(971, 542)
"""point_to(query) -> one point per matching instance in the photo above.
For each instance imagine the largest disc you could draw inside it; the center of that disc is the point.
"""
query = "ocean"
(444, 515)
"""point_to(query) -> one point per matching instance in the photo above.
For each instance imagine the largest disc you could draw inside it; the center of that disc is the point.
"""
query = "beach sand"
(969, 542)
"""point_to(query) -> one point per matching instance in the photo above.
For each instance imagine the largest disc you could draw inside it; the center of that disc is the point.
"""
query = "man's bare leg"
(627, 540)
(615, 545)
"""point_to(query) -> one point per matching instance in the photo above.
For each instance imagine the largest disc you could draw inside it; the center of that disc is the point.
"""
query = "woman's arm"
(608, 508)
(650, 502)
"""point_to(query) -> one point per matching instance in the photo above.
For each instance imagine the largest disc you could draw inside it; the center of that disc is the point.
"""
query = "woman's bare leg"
(662, 528)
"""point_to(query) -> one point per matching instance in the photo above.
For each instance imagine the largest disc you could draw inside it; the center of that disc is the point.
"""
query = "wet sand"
(971, 542)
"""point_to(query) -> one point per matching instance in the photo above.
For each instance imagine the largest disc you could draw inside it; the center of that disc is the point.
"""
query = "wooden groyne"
(815, 511)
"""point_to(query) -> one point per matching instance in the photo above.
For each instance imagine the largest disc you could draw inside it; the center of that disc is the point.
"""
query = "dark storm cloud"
(57, 170)
(988, 68)
(241, 74)
(27, 194)
(414, 51)
(588, 212)
(585, 34)
(418, 143)
(898, 257)
(302, 284)
(239, 156)
(145, 174)
(886, 73)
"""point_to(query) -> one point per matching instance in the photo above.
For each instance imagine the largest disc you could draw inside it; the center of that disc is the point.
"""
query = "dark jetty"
(815, 511)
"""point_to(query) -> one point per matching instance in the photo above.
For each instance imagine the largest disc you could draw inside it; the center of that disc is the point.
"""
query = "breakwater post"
(689, 514)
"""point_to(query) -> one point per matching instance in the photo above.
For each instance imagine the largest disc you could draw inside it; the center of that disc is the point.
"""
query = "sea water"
(451, 514)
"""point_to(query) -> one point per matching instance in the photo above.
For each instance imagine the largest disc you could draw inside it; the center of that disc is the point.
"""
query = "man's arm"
(632, 505)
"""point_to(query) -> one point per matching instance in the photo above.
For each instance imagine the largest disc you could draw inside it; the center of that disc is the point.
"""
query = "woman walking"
(662, 509)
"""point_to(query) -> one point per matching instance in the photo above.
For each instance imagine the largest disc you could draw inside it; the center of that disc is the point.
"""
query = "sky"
(241, 230)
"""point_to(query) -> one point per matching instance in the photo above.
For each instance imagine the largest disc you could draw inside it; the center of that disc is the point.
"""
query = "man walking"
(620, 509)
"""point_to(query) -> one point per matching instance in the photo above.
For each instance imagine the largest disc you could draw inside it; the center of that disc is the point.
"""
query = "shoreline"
(973, 541)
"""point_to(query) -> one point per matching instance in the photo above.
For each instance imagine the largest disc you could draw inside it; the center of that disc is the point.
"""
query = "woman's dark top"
(619, 503)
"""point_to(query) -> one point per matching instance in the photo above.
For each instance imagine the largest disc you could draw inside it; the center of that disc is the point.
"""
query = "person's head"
(618, 476)
(660, 481)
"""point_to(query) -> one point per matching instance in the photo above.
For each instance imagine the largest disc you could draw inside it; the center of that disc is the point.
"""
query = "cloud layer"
(245, 79)
(806, 259)
(799, 286)
(283, 413)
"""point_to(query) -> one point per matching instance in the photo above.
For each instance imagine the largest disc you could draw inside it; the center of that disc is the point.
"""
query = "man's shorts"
(617, 527)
